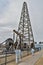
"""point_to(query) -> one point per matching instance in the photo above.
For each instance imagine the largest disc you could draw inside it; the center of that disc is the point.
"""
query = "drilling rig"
(25, 28)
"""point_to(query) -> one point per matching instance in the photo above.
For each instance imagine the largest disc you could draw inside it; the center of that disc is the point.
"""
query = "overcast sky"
(10, 12)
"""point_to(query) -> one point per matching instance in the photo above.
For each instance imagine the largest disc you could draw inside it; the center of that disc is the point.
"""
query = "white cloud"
(10, 17)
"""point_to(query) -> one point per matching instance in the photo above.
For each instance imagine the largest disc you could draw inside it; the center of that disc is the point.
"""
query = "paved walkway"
(31, 60)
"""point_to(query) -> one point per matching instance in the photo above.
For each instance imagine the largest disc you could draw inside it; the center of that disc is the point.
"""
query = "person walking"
(17, 55)
(32, 51)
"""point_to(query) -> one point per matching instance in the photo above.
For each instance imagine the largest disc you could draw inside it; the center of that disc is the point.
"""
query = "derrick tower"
(25, 26)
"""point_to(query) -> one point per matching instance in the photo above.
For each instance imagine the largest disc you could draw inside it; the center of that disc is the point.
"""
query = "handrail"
(10, 61)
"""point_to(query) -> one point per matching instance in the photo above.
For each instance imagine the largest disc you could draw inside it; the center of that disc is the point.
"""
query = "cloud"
(10, 12)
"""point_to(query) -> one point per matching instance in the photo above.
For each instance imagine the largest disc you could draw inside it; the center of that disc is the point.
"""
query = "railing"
(6, 58)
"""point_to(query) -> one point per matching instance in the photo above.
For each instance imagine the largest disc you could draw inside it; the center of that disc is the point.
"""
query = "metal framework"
(25, 26)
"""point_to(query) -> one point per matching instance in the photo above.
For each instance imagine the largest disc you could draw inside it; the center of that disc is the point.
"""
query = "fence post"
(6, 58)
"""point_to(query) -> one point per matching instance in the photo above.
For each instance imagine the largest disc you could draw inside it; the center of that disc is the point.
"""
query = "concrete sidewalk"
(31, 60)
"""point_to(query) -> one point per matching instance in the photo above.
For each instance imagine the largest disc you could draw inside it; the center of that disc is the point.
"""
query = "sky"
(10, 12)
